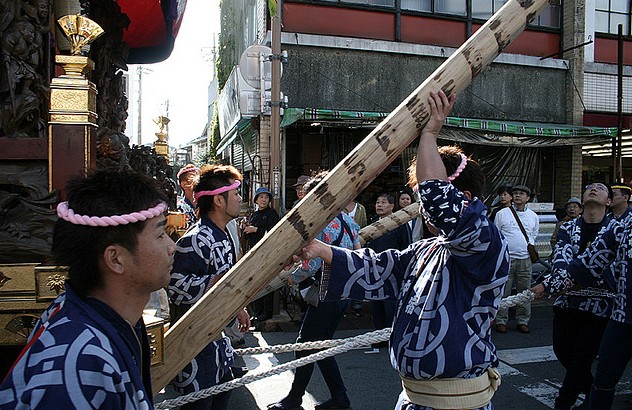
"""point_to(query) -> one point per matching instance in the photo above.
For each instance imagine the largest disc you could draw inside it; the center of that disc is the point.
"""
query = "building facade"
(352, 62)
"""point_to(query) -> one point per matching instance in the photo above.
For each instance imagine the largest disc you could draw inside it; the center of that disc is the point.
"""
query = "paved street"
(531, 374)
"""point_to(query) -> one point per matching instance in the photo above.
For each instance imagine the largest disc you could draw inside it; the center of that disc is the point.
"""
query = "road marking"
(545, 390)
(272, 388)
(527, 355)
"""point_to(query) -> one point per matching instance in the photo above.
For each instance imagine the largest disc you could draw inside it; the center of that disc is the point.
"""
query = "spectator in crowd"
(383, 310)
(300, 192)
(261, 221)
(504, 200)
(620, 206)
(511, 222)
(572, 210)
(322, 317)
(357, 212)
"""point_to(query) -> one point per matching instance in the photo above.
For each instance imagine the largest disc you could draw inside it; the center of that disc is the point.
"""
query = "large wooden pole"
(368, 233)
(389, 223)
(257, 268)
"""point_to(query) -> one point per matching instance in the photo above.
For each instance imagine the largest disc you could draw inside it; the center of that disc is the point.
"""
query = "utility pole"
(275, 119)
(140, 70)
(618, 170)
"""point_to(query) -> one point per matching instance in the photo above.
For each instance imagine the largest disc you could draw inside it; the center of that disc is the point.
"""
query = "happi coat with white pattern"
(81, 355)
(448, 289)
(203, 254)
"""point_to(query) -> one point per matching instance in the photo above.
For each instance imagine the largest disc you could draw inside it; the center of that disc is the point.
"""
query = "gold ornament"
(80, 31)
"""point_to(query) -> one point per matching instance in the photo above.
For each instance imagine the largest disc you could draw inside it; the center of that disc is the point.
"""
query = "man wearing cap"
(573, 209)
(580, 317)
(300, 183)
(508, 221)
(261, 220)
(620, 208)
(203, 255)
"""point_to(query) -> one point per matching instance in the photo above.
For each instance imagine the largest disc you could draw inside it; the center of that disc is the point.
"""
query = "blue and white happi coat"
(188, 208)
(203, 254)
(596, 299)
(607, 259)
(448, 289)
(81, 355)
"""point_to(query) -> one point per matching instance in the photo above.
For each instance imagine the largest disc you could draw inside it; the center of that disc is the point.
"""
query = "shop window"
(610, 13)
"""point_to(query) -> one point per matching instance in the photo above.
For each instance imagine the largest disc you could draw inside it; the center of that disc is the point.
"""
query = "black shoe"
(239, 371)
(344, 403)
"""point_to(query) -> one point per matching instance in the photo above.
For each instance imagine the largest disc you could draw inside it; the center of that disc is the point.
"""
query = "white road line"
(527, 355)
(543, 391)
(272, 388)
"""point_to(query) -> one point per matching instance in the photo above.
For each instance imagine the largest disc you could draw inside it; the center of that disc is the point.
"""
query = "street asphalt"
(531, 374)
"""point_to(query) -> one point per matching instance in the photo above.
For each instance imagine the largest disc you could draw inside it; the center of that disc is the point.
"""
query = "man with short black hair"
(580, 317)
(90, 349)
(204, 254)
(508, 221)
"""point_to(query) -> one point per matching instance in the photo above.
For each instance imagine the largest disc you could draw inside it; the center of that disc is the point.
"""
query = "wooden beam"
(205, 320)
(366, 234)
(389, 223)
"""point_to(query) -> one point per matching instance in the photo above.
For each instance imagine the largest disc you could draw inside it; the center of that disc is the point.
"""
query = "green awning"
(244, 127)
(476, 131)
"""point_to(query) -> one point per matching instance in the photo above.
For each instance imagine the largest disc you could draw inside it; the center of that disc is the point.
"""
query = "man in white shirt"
(520, 263)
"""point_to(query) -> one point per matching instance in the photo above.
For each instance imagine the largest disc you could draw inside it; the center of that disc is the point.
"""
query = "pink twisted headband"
(187, 169)
(460, 169)
(69, 215)
(217, 191)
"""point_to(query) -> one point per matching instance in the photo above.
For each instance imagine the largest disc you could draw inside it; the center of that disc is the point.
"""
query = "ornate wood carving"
(25, 35)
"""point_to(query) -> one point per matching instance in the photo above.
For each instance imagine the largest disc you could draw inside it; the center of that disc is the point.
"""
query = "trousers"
(576, 339)
(319, 323)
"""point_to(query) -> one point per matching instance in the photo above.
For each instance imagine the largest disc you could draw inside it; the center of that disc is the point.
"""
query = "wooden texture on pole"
(205, 320)
(389, 223)
(366, 234)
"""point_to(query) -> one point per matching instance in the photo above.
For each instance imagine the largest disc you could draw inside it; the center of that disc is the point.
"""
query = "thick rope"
(333, 347)
(518, 299)
(348, 344)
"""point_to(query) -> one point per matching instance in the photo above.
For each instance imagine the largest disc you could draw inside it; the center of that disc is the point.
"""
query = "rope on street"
(333, 347)
(346, 345)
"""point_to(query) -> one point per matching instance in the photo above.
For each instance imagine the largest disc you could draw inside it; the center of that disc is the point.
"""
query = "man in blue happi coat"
(203, 255)
(89, 350)
(448, 288)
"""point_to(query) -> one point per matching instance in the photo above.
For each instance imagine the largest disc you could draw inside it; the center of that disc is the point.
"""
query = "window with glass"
(550, 16)
(482, 9)
(610, 13)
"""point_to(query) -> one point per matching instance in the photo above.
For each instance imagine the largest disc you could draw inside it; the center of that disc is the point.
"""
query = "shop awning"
(243, 128)
(153, 28)
(475, 131)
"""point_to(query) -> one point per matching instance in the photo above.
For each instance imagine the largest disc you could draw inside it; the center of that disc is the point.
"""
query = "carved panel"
(25, 35)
